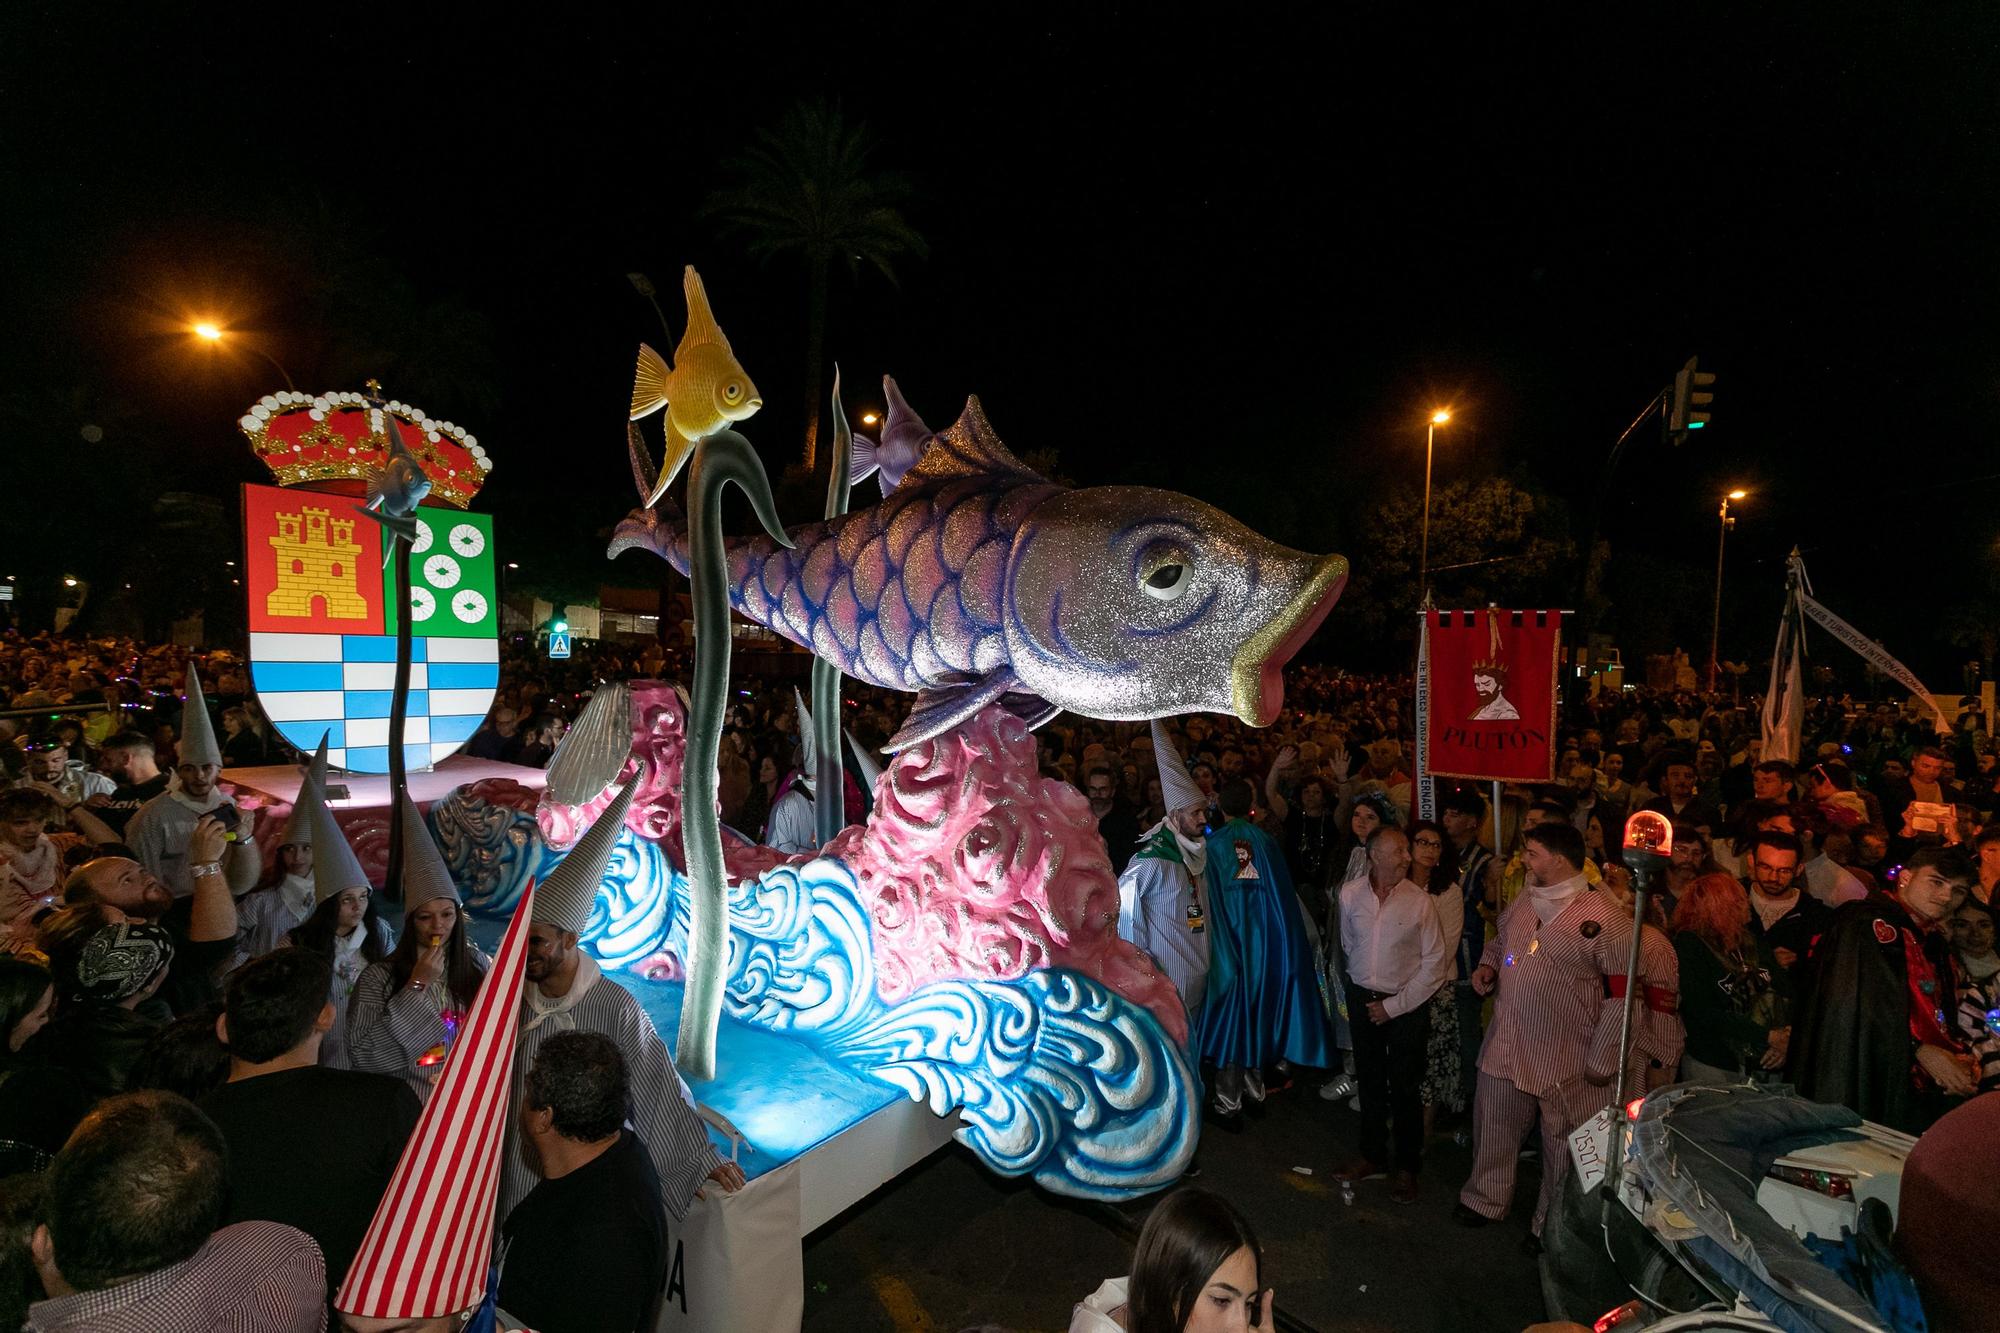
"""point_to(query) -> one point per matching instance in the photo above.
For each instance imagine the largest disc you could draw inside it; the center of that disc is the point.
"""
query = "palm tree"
(804, 189)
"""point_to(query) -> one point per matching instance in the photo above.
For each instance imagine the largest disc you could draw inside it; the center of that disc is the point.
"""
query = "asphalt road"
(949, 1246)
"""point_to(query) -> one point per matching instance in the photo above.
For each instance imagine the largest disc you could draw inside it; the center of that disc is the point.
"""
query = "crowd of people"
(175, 1011)
(211, 1072)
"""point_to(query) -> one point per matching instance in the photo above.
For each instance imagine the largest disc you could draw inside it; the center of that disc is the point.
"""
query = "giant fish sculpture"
(975, 582)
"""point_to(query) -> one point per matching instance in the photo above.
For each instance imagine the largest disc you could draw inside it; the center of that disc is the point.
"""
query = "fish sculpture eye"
(1166, 581)
(732, 393)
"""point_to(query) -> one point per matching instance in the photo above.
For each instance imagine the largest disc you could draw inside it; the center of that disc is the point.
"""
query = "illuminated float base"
(818, 1137)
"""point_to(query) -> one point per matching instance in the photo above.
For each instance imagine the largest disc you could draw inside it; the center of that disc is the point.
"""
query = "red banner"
(1491, 702)
(314, 566)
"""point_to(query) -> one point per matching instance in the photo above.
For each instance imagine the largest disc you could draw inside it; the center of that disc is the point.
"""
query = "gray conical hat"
(197, 743)
(565, 898)
(808, 742)
(299, 828)
(335, 867)
(1177, 788)
(865, 762)
(425, 875)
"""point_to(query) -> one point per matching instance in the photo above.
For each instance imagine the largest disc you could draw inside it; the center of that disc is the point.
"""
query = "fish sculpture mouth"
(1257, 673)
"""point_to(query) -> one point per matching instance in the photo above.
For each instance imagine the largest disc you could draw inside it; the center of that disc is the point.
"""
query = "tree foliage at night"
(807, 190)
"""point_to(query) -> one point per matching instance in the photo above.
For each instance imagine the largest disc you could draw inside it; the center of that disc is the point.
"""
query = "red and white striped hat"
(428, 1249)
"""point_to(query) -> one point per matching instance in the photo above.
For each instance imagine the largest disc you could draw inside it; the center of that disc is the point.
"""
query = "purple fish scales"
(906, 594)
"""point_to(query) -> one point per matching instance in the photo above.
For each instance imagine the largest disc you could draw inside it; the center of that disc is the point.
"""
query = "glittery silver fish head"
(1126, 602)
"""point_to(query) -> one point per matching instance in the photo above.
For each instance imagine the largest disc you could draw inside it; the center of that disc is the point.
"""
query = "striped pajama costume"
(675, 1137)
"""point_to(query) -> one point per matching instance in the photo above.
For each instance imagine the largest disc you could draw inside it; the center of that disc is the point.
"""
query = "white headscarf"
(1550, 899)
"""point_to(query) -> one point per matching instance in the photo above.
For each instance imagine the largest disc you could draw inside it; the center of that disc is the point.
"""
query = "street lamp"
(869, 418)
(1715, 624)
(1438, 418)
(213, 334)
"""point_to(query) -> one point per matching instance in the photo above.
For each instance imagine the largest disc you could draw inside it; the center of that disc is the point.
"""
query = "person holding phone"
(159, 832)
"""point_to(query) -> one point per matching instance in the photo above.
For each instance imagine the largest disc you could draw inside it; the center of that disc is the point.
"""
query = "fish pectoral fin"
(674, 455)
(949, 704)
(649, 383)
(1031, 708)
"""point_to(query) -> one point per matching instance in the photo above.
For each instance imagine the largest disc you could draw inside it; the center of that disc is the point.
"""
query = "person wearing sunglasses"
(1197, 1269)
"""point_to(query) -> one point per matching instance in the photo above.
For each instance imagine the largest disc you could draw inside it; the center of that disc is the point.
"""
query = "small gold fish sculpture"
(703, 391)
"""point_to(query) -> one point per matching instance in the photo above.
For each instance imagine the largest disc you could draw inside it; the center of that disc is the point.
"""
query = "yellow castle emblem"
(316, 559)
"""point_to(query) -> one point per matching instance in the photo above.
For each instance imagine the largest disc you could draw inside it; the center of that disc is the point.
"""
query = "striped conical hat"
(335, 867)
(299, 828)
(426, 1252)
(570, 890)
(425, 875)
(197, 743)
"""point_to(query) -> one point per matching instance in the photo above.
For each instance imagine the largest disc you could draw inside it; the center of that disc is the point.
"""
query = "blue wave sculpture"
(1055, 1075)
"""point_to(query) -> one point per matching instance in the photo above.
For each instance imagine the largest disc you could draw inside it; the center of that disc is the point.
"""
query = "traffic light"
(1694, 391)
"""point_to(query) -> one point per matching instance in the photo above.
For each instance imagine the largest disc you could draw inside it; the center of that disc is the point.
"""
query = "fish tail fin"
(404, 526)
(861, 458)
(674, 455)
(649, 383)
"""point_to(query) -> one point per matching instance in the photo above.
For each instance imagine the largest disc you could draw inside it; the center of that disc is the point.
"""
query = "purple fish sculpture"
(904, 439)
(976, 582)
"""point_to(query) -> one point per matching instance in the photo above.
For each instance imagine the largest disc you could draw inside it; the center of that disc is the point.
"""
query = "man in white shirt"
(159, 833)
(1395, 957)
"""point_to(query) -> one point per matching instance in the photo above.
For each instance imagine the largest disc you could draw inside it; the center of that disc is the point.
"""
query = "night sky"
(1164, 249)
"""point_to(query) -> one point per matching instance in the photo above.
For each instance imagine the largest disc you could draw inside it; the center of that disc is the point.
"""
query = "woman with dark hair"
(407, 1007)
(347, 931)
(1369, 810)
(1197, 1269)
(1735, 999)
(1972, 928)
(39, 1105)
(1434, 869)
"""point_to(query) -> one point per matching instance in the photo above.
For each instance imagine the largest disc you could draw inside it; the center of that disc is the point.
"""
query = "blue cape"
(1263, 998)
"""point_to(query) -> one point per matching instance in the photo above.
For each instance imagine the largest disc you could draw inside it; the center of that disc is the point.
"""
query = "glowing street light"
(1715, 624)
(213, 334)
(69, 582)
(869, 418)
(1438, 418)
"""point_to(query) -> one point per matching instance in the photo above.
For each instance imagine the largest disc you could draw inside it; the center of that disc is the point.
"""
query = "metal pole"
(1497, 850)
(1424, 546)
(399, 707)
(1640, 883)
(1715, 624)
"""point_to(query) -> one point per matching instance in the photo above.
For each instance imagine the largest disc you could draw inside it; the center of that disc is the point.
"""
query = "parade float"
(950, 967)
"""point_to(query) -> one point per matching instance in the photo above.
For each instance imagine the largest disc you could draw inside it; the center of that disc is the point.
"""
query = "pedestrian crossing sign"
(558, 643)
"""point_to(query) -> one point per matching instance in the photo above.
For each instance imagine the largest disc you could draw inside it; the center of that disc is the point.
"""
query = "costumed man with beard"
(1873, 1029)
(158, 834)
(1263, 1005)
(792, 828)
(1551, 1051)
(1160, 905)
(567, 993)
